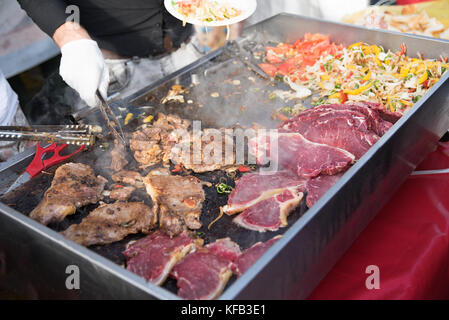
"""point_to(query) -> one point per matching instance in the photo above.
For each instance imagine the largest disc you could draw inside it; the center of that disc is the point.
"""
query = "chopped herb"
(429, 74)
(318, 102)
(443, 70)
(416, 98)
(377, 84)
(224, 188)
(279, 78)
(338, 86)
(327, 66)
(199, 233)
(408, 77)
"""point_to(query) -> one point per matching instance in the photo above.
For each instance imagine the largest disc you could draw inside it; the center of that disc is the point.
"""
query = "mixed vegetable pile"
(359, 72)
(206, 10)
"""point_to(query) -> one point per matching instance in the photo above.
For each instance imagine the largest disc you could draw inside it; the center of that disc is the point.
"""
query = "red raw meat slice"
(251, 255)
(225, 248)
(255, 187)
(354, 128)
(272, 213)
(383, 112)
(203, 274)
(155, 255)
(301, 156)
(318, 186)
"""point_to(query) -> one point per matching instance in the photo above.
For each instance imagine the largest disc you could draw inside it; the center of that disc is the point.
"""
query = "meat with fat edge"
(255, 187)
(272, 213)
(203, 274)
(154, 256)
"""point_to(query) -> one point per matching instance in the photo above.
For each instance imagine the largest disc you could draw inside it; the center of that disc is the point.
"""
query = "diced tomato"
(244, 169)
(290, 65)
(269, 69)
(273, 58)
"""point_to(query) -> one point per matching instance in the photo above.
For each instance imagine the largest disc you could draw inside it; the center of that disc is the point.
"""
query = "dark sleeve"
(49, 15)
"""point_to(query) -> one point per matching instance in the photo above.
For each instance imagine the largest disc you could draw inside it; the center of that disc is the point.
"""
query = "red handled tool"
(39, 163)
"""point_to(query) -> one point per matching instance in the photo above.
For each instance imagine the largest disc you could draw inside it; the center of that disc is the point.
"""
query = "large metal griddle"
(35, 257)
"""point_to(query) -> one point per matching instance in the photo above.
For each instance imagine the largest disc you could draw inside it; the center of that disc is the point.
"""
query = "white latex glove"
(83, 68)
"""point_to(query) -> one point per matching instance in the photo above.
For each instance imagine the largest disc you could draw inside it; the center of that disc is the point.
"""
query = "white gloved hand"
(83, 68)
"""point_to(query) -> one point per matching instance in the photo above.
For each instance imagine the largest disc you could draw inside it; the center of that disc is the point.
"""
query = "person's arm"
(49, 15)
(82, 64)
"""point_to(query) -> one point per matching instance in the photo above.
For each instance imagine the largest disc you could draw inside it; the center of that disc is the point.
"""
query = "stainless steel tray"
(309, 248)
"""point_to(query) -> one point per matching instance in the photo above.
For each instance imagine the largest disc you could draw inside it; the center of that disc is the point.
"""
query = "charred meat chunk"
(121, 193)
(74, 185)
(118, 155)
(178, 201)
(127, 177)
(112, 222)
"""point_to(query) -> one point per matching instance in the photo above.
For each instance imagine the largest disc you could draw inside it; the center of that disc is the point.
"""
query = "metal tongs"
(111, 120)
(61, 134)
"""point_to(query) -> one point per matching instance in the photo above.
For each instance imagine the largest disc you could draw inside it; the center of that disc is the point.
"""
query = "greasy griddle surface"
(245, 103)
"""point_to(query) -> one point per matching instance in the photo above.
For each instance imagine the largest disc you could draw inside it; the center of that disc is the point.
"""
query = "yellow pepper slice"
(357, 44)
(367, 77)
(325, 77)
(423, 78)
(148, 119)
(392, 109)
(407, 103)
(336, 95)
(128, 118)
(359, 90)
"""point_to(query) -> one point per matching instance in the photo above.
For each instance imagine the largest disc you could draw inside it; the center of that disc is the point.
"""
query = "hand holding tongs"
(66, 134)
(111, 119)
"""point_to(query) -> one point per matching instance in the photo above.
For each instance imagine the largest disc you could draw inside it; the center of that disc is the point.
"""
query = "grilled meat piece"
(127, 177)
(121, 194)
(203, 274)
(112, 222)
(118, 155)
(205, 151)
(178, 201)
(74, 185)
(152, 144)
(154, 256)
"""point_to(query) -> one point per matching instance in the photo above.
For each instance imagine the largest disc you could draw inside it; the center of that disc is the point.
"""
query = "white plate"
(246, 6)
